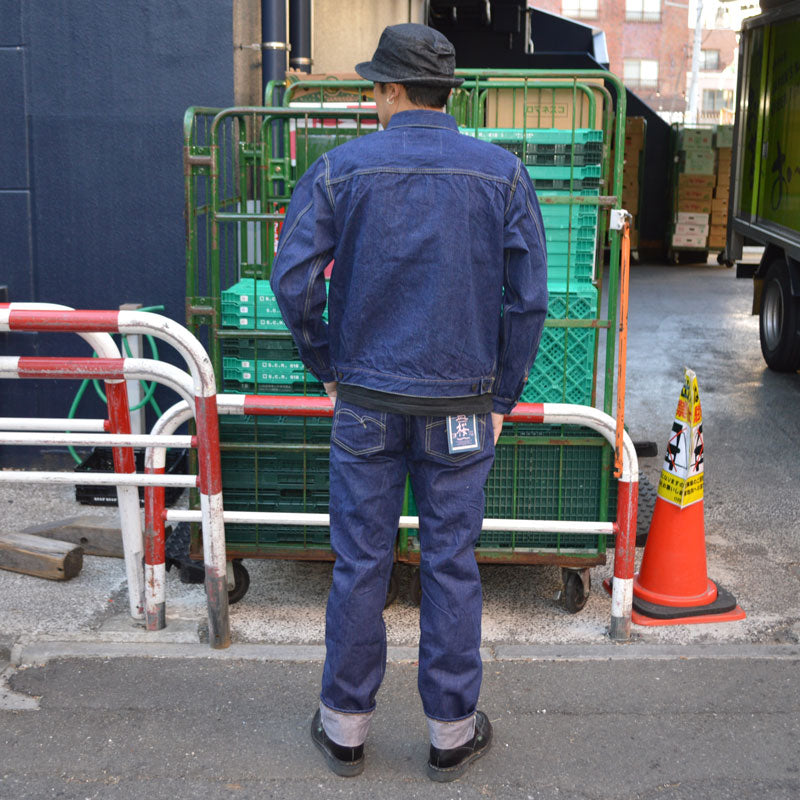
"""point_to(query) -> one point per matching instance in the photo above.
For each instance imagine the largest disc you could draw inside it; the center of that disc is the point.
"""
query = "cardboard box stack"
(695, 189)
(632, 171)
(717, 235)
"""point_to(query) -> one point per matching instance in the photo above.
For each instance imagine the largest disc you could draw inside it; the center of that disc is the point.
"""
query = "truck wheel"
(779, 320)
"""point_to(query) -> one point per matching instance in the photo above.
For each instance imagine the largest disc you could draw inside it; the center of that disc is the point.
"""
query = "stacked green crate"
(562, 164)
(263, 364)
(269, 463)
(564, 365)
(546, 472)
(275, 464)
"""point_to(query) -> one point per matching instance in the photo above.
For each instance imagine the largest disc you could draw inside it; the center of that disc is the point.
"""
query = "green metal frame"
(238, 179)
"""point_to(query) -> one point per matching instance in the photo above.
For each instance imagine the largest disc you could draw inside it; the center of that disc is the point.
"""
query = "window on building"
(713, 100)
(709, 60)
(643, 10)
(579, 9)
(640, 73)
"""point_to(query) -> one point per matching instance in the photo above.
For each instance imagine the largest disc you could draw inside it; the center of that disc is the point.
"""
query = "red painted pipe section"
(45, 367)
(62, 320)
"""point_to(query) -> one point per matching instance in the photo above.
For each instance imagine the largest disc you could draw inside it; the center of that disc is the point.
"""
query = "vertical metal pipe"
(300, 35)
(274, 42)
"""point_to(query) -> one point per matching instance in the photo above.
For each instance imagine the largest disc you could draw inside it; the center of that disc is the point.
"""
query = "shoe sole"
(344, 769)
(454, 773)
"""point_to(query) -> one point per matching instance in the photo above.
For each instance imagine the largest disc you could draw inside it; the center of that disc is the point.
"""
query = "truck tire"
(779, 320)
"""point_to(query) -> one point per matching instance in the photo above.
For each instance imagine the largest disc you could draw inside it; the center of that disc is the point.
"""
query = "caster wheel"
(576, 592)
(416, 588)
(241, 584)
(393, 589)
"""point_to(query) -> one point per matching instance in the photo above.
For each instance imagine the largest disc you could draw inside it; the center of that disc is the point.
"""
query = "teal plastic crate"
(582, 233)
(553, 173)
(563, 369)
(536, 135)
(310, 388)
(593, 150)
(537, 159)
(576, 247)
(242, 292)
(564, 217)
(252, 348)
(580, 302)
(242, 322)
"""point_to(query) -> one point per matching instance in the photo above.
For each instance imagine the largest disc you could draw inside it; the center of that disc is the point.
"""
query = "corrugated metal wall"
(91, 184)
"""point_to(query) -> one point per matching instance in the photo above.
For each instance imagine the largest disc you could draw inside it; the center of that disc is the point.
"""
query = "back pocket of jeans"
(359, 433)
(436, 439)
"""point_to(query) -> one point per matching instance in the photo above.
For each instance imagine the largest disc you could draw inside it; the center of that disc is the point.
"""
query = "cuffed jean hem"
(447, 735)
(348, 730)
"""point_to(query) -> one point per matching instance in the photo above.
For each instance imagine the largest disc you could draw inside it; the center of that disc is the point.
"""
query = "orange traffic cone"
(672, 587)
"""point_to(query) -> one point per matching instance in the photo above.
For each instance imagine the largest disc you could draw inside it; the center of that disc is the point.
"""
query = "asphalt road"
(676, 729)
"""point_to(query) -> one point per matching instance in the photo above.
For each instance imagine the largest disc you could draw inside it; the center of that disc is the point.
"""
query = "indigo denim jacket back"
(439, 287)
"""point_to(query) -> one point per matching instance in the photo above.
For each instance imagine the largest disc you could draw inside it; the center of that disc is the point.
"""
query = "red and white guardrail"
(624, 528)
(94, 327)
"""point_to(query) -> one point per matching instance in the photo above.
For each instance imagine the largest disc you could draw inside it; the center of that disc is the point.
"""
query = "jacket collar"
(423, 118)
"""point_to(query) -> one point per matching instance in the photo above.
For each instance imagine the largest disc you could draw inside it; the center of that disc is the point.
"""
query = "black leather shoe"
(448, 765)
(344, 761)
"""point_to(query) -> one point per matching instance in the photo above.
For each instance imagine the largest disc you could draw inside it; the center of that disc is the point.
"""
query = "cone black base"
(725, 602)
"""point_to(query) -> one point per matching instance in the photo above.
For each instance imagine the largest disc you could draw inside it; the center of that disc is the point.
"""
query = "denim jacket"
(439, 287)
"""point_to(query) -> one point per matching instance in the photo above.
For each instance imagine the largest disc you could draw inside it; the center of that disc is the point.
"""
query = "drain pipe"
(300, 35)
(273, 42)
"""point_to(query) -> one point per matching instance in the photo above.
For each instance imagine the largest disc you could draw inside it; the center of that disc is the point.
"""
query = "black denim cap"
(412, 54)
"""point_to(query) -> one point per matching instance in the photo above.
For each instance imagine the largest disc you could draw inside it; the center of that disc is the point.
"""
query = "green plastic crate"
(537, 159)
(244, 292)
(252, 349)
(242, 322)
(563, 369)
(544, 480)
(266, 429)
(579, 303)
(536, 135)
(551, 173)
(310, 388)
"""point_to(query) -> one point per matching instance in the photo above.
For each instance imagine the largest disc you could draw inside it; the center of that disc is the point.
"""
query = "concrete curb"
(36, 653)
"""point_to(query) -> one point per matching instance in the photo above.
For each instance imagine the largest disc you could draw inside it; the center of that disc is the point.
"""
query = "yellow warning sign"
(681, 480)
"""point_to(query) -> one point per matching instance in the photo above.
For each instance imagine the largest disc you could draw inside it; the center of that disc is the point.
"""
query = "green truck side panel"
(779, 190)
(769, 181)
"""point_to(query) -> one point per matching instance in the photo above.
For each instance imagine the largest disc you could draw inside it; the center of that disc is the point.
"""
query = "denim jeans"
(371, 453)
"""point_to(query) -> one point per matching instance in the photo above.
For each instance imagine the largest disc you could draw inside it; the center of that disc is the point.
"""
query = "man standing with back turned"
(436, 305)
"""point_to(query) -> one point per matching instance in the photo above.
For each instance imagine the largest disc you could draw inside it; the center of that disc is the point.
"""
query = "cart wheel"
(722, 259)
(241, 583)
(577, 585)
(393, 590)
(416, 588)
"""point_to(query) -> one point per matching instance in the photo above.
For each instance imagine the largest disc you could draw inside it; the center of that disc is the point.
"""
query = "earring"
(390, 101)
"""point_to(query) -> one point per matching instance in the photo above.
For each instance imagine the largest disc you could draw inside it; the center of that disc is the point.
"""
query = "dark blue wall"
(91, 181)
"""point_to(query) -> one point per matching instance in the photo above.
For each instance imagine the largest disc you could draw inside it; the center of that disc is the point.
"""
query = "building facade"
(650, 46)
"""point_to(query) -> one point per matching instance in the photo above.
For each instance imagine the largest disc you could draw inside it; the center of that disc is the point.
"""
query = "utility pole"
(694, 89)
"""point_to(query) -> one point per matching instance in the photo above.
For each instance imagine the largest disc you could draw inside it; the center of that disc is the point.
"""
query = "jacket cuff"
(325, 376)
(502, 406)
